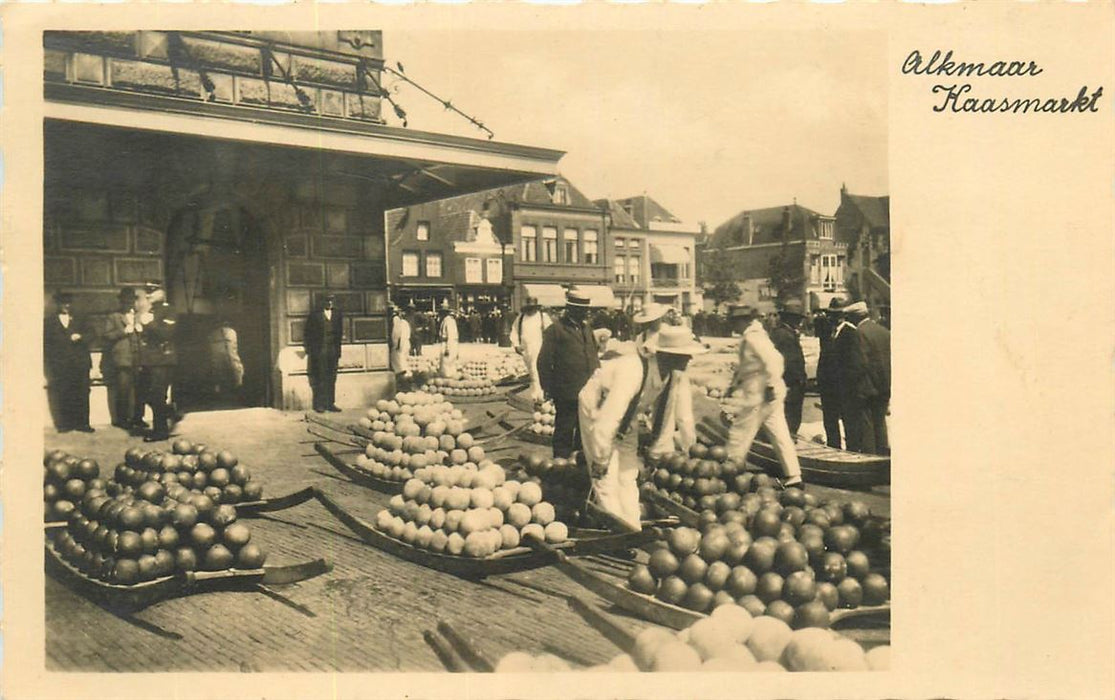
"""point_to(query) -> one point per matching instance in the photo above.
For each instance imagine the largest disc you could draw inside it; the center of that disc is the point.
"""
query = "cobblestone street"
(367, 614)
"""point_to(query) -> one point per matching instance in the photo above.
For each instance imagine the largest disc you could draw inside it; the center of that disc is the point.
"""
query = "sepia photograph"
(341, 380)
(543, 350)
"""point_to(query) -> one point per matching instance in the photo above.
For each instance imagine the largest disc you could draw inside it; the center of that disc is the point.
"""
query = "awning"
(554, 294)
(600, 296)
(546, 294)
(669, 254)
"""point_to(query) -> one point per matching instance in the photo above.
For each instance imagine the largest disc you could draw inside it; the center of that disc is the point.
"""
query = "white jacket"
(400, 345)
(526, 331)
(760, 366)
(448, 335)
(604, 401)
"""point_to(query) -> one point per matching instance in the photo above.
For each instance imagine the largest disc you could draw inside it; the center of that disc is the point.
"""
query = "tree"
(786, 271)
(719, 283)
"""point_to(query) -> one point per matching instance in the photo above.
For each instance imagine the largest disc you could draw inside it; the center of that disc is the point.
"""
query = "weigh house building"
(249, 172)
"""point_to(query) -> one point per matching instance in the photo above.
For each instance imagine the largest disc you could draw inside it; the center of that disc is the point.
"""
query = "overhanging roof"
(437, 163)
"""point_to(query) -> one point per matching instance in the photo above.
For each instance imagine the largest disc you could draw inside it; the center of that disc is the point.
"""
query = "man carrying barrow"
(610, 402)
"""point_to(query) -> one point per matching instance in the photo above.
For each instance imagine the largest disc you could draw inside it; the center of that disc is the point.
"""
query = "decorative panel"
(96, 272)
(138, 270)
(337, 246)
(296, 246)
(298, 302)
(365, 329)
(59, 270)
(369, 275)
(337, 275)
(305, 274)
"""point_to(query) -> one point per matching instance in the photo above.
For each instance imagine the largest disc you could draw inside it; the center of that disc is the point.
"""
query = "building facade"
(653, 253)
(500, 246)
(863, 223)
(249, 173)
(797, 243)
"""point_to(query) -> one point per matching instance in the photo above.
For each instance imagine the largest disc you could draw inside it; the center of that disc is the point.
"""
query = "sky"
(708, 124)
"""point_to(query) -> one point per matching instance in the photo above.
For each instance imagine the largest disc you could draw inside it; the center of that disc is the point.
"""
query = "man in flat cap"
(568, 358)
(67, 364)
(757, 396)
(322, 342)
(786, 337)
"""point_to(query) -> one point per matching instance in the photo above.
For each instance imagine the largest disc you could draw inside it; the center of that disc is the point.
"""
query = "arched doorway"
(217, 279)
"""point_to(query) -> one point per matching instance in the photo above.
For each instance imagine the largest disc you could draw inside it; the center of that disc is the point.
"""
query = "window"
(621, 269)
(549, 244)
(495, 270)
(685, 265)
(529, 235)
(815, 269)
(840, 269)
(422, 233)
(474, 271)
(569, 236)
(633, 267)
(826, 230)
(592, 253)
(410, 263)
(831, 274)
(433, 264)
(561, 195)
(620, 243)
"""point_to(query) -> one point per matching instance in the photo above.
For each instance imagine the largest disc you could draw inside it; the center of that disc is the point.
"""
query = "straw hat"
(857, 308)
(651, 312)
(677, 340)
(575, 297)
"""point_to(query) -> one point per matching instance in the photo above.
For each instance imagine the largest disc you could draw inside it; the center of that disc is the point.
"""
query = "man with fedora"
(871, 408)
(526, 338)
(322, 343)
(120, 362)
(158, 358)
(757, 396)
(400, 349)
(855, 384)
(785, 336)
(67, 364)
(566, 361)
(828, 380)
(449, 336)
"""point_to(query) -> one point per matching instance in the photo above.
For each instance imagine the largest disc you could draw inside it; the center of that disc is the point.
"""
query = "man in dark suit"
(824, 326)
(322, 342)
(876, 351)
(120, 362)
(67, 364)
(566, 361)
(158, 357)
(786, 338)
(855, 383)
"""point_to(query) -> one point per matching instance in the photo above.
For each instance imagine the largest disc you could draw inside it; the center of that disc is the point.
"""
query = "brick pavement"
(369, 612)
